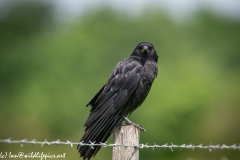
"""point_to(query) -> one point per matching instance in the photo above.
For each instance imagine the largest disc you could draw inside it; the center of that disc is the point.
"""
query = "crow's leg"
(134, 124)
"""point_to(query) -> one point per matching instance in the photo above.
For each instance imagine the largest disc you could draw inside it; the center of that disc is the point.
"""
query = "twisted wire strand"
(141, 146)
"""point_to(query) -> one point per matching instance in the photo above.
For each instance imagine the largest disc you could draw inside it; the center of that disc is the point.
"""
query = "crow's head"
(145, 50)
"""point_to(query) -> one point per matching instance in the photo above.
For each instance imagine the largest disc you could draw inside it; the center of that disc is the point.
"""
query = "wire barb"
(141, 146)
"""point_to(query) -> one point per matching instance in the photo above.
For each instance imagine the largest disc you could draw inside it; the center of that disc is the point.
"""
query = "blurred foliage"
(49, 71)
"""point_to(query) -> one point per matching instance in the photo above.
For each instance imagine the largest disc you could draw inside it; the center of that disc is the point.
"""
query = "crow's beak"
(145, 50)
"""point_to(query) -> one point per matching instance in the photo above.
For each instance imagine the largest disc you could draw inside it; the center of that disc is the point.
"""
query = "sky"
(177, 9)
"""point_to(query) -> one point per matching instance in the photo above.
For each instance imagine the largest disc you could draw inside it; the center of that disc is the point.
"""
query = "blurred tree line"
(49, 71)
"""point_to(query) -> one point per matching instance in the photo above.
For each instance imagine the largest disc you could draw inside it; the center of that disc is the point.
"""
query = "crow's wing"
(112, 97)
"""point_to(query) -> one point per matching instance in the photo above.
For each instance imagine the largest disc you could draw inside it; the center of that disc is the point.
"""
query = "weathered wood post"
(126, 135)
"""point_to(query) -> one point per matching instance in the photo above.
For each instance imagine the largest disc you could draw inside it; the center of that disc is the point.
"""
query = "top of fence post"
(127, 135)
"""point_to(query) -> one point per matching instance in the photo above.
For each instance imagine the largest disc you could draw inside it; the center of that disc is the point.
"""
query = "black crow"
(126, 89)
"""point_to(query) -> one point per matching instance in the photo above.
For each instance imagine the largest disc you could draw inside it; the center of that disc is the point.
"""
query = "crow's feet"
(134, 124)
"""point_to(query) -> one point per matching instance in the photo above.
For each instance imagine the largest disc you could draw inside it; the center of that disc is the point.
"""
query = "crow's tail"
(99, 131)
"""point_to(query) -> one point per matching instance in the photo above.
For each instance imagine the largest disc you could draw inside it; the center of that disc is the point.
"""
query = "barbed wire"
(141, 146)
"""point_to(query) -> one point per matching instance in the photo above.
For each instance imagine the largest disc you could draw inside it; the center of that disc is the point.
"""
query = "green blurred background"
(50, 69)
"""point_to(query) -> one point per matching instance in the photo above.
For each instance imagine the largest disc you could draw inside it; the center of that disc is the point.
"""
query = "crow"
(126, 89)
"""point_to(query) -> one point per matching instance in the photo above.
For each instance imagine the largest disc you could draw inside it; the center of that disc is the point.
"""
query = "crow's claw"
(134, 124)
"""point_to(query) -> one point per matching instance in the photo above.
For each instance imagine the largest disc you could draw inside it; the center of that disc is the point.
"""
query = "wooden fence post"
(126, 135)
